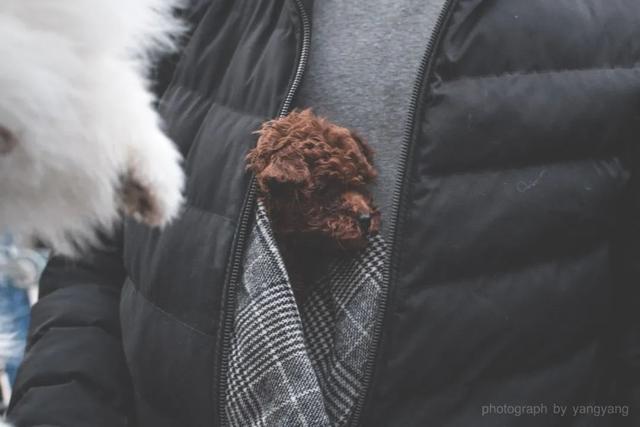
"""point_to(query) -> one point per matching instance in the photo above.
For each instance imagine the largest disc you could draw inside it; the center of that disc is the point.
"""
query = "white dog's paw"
(152, 189)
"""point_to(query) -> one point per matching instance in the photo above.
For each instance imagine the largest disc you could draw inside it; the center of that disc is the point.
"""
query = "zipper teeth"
(423, 70)
(304, 56)
(230, 297)
(247, 211)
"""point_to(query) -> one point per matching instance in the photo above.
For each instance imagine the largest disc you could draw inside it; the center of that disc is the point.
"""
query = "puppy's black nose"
(364, 220)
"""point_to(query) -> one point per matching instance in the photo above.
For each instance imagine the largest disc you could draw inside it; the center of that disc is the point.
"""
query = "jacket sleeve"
(626, 264)
(74, 371)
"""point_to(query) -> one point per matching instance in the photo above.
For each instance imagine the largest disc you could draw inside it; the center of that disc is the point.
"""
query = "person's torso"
(501, 251)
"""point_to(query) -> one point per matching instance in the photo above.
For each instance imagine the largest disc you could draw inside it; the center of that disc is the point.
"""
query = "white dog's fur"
(77, 121)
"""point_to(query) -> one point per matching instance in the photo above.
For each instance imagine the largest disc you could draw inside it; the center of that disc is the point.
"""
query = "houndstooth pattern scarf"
(291, 365)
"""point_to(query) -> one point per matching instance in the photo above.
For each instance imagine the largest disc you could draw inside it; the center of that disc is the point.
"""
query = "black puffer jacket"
(515, 274)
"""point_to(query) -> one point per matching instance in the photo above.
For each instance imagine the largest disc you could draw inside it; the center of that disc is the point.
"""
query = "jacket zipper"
(248, 209)
(424, 71)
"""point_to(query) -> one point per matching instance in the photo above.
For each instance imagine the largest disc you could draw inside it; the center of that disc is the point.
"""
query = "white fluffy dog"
(80, 141)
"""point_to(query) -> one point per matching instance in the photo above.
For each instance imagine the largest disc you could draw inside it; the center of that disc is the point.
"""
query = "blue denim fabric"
(14, 321)
(15, 306)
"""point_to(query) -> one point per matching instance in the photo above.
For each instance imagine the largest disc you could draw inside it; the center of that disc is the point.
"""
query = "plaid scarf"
(292, 365)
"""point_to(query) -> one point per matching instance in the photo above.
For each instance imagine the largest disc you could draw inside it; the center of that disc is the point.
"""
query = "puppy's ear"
(8, 141)
(283, 174)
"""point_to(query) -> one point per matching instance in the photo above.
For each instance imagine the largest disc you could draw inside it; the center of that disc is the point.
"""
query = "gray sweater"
(362, 70)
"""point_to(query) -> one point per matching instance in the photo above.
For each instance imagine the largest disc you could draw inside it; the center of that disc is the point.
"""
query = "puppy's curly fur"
(312, 176)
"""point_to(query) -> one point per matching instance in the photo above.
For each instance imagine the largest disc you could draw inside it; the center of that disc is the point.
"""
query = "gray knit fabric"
(363, 67)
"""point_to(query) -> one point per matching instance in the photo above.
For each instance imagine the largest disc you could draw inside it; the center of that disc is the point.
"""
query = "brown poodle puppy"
(312, 177)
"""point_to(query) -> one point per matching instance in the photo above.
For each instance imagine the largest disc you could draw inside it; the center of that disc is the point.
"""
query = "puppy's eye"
(278, 188)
